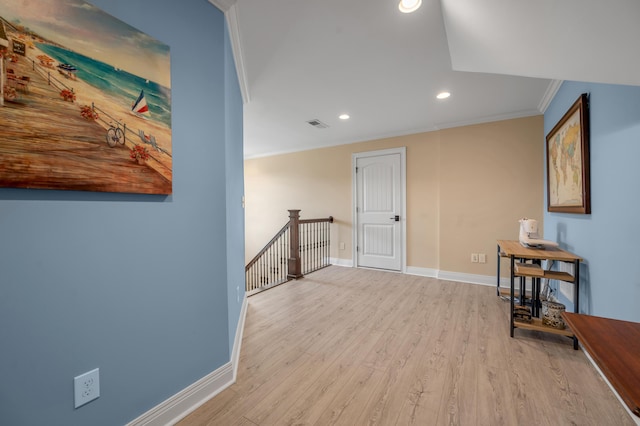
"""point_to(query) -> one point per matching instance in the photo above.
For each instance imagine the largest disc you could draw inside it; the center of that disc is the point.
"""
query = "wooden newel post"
(295, 266)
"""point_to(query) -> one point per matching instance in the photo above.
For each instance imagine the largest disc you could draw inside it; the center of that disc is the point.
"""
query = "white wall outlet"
(342, 245)
(238, 293)
(482, 258)
(474, 257)
(86, 387)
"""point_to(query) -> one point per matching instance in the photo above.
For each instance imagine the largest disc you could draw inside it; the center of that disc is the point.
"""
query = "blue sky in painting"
(88, 30)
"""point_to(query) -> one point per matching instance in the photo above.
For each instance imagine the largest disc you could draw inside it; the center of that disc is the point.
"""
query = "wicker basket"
(552, 314)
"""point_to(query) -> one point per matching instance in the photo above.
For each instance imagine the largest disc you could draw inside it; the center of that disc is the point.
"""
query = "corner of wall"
(189, 399)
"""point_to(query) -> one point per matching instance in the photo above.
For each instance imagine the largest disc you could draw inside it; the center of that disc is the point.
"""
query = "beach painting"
(86, 101)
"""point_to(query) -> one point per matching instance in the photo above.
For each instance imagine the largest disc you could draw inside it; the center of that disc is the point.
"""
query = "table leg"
(513, 264)
(576, 296)
(538, 304)
(535, 293)
(533, 296)
(498, 272)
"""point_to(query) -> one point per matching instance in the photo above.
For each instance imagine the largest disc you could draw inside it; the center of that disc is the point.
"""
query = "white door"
(379, 210)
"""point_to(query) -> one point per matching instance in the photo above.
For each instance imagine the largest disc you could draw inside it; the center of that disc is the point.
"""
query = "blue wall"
(609, 238)
(136, 285)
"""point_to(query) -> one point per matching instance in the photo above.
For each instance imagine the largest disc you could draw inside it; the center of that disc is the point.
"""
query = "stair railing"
(298, 248)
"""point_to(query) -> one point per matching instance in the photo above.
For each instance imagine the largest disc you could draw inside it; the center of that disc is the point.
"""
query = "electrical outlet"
(86, 387)
(342, 245)
(482, 258)
(238, 293)
(474, 257)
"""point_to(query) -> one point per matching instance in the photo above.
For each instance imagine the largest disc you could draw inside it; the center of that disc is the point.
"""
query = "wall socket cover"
(86, 387)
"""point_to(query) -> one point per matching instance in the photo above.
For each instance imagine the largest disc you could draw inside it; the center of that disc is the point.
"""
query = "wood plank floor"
(360, 347)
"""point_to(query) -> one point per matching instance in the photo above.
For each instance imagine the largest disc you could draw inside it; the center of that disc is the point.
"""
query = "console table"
(614, 345)
(517, 252)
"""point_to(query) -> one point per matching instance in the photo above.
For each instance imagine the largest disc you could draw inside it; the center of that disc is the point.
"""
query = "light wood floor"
(359, 347)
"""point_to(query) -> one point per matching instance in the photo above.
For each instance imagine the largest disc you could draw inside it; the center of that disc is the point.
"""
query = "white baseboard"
(341, 262)
(180, 405)
(422, 272)
(237, 343)
(489, 280)
(467, 278)
(187, 400)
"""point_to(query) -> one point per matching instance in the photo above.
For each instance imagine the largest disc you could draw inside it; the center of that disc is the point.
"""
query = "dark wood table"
(615, 347)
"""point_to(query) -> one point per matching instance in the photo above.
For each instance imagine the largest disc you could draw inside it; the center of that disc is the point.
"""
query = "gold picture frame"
(568, 174)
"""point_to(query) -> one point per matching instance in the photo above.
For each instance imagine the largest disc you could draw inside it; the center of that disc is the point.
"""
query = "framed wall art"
(86, 101)
(568, 189)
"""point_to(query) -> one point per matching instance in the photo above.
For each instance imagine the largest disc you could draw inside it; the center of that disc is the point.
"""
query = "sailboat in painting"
(140, 106)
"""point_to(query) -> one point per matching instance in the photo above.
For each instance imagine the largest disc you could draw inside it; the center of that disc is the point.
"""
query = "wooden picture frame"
(568, 180)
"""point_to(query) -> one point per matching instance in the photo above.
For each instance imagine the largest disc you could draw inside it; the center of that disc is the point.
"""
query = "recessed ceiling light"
(443, 95)
(408, 6)
(344, 117)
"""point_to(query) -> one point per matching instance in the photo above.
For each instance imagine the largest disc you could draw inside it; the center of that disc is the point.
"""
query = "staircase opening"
(300, 247)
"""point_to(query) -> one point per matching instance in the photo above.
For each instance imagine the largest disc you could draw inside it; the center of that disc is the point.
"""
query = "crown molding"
(548, 96)
(223, 5)
(231, 16)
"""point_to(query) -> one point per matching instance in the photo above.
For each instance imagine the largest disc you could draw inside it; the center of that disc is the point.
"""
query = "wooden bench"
(614, 345)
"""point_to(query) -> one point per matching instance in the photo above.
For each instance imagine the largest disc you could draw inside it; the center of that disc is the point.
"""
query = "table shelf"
(505, 292)
(557, 275)
(535, 271)
(537, 325)
(528, 270)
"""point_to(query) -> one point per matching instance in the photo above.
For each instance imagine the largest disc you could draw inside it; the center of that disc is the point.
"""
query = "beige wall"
(466, 187)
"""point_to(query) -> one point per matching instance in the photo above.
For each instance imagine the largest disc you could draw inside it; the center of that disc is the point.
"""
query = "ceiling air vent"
(318, 124)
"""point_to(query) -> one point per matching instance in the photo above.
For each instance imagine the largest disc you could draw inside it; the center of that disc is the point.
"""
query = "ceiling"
(300, 60)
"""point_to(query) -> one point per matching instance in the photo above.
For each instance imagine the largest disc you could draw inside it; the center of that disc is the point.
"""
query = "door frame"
(403, 202)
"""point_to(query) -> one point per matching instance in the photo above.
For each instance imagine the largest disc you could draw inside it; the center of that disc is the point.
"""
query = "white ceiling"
(299, 60)
(581, 40)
